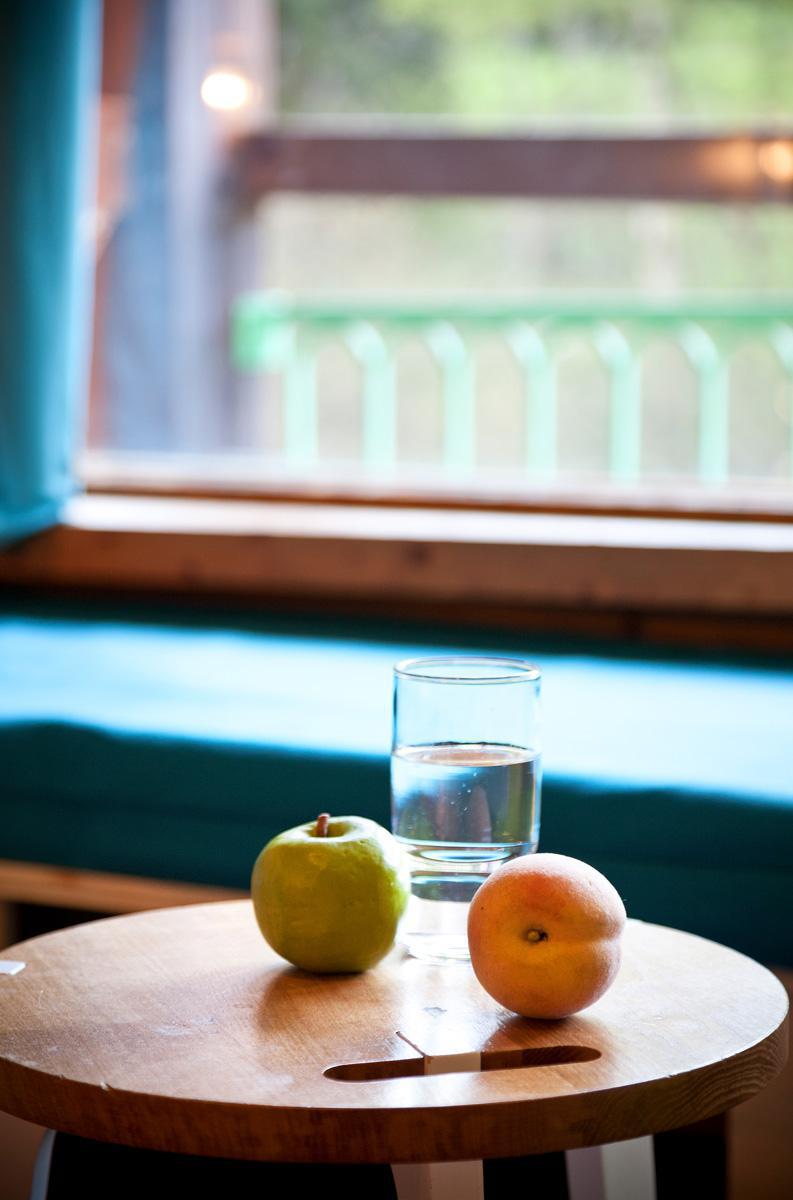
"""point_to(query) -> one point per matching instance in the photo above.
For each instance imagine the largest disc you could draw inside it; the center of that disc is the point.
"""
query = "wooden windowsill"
(259, 549)
(99, 891)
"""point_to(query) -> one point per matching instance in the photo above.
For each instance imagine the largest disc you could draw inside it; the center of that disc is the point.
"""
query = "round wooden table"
(181, 1030)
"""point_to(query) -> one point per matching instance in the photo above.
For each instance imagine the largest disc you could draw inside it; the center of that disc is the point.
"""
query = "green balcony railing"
(275, 333)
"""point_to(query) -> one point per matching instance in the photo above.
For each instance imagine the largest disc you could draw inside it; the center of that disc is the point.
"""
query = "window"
(532, 262)
(518, 252)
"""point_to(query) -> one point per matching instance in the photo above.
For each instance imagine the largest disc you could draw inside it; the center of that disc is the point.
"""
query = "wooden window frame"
(721, 583)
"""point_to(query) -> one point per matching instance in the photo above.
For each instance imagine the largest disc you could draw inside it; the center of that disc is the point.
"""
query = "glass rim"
(505, 670)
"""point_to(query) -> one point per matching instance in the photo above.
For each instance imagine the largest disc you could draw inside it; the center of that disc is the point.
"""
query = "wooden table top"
(181, 1030)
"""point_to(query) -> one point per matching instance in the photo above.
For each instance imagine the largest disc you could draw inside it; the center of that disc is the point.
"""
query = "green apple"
(328, 895)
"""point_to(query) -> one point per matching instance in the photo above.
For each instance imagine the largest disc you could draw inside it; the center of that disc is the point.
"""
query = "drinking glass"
(465, 786)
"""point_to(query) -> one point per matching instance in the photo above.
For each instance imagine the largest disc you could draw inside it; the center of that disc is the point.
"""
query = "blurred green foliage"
(507, 64)
(523, 60)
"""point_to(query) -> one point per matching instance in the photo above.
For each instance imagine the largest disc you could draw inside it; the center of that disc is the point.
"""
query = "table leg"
(585, 1174)
(621, 1171)
(542, 1176)
(439, 1181)
(442, 1181)
(41, 1170)
(693, 1160)
(687, 1161)
(618, 1171)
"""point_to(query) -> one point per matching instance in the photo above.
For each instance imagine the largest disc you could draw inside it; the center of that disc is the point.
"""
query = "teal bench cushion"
(175, 747)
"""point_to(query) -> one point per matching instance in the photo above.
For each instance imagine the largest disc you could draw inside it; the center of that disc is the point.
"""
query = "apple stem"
(322, 825)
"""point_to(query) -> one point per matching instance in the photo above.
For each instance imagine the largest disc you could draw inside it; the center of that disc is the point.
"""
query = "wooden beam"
(713, 168)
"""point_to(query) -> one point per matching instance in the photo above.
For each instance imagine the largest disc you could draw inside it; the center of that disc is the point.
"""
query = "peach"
(544, 933)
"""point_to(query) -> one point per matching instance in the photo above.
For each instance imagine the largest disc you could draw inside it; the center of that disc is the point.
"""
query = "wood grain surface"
(180, 1030)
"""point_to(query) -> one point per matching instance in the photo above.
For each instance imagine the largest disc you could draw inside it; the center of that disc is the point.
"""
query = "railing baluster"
(301, 441)
(714, 434)
(782, 341)
(625, 433)
(371, 352)
(539, 370)
(274, 332)
(459, 396)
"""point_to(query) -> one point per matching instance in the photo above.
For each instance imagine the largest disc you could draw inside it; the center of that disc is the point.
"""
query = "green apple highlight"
(329, 895)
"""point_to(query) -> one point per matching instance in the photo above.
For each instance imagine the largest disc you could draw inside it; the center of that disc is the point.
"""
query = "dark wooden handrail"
(754, 167)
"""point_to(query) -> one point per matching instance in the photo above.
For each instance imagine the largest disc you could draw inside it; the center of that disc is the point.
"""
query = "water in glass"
(459, 810)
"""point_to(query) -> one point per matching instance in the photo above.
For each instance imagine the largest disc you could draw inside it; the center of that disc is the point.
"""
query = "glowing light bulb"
(226, 89)
(775, 159)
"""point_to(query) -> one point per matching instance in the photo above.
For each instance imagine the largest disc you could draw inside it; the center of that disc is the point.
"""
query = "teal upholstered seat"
(174, 747)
